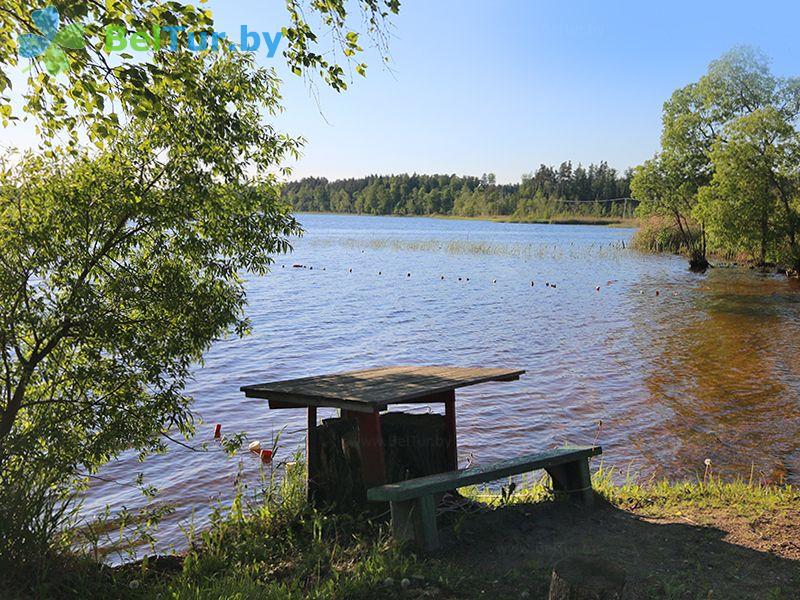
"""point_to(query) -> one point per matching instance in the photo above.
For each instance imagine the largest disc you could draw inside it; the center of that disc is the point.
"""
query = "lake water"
(662, 367)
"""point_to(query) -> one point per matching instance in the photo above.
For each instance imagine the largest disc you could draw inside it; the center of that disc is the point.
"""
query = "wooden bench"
(412, 501)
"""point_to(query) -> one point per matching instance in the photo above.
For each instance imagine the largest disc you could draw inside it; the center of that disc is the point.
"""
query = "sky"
(502, 86)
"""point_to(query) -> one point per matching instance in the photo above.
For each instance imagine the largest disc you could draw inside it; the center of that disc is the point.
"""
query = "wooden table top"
(374, 389)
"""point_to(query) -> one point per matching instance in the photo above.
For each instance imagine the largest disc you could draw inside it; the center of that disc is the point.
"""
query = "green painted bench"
(414, 508)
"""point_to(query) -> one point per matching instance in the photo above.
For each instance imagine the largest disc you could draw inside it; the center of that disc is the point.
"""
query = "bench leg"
(416, 520)
(428, 534)
(402, 520)
(575, 479)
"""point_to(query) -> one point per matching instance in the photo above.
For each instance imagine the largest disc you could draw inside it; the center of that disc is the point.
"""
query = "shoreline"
(625, 223)
(248, 551)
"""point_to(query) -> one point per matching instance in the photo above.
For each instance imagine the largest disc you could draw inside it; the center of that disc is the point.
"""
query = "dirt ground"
(699, 554)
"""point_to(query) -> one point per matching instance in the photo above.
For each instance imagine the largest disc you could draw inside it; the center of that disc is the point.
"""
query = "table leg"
(450, 430)
(370, 440)
(312, 453)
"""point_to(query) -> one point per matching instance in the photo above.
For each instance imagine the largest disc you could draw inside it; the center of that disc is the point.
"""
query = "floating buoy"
(266, 456)
(532, 284)
(379, 273)
(459, 278)
(297, 266)
(442, 277)
(283, 266)
(597, 289)
(254, 446)
(553, 285)
(658, 293)
(467, 278)
(217, 431)
(310, 268)
(408, 274)
(494, 280)
(323, 268)
(351, 270)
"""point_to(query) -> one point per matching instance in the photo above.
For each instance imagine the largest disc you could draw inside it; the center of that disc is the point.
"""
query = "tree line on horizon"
(543, 194)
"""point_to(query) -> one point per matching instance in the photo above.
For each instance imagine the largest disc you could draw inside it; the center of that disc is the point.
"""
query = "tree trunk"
(586, 578)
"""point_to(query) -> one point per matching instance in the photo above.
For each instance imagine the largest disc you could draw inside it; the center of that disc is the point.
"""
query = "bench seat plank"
(442, 482)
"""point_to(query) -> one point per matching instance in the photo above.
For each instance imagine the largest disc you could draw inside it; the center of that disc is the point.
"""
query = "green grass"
(658, 497)
(531, 251)
(274, 545)
(666, 498)
(660, 235)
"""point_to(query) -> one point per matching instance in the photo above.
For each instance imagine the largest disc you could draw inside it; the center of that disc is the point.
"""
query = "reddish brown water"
(677, 367)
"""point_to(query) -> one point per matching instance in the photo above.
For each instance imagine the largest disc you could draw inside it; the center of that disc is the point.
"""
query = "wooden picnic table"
(363, 395)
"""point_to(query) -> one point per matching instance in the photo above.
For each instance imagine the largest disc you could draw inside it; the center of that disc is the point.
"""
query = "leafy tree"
(663, 188)
(752, 203)
(94, 94)
(120, 266)
(697, 120)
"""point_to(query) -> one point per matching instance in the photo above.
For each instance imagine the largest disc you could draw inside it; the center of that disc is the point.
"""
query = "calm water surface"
(664, 368)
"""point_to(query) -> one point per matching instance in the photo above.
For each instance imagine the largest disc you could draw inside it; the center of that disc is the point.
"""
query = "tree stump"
(415, 445)
(586, 578)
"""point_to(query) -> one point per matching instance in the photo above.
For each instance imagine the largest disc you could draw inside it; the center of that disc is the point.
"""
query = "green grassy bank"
(675, 540)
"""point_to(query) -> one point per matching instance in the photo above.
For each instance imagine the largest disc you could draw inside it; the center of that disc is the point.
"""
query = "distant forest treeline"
(549, 192)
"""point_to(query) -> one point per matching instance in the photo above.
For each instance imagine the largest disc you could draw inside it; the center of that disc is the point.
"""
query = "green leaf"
(70, 36)
(55, 61)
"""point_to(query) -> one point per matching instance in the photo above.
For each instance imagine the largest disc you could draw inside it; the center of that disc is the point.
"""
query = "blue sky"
(502, 86)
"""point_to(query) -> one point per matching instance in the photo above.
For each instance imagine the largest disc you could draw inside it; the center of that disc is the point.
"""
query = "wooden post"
(370, 441)
(573, 478)
(416, 520)
(312, 453)
(450, 429)
(583, 479)
(427, 534)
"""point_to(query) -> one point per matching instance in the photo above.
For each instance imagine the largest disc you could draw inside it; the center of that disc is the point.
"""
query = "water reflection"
(722, 377)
